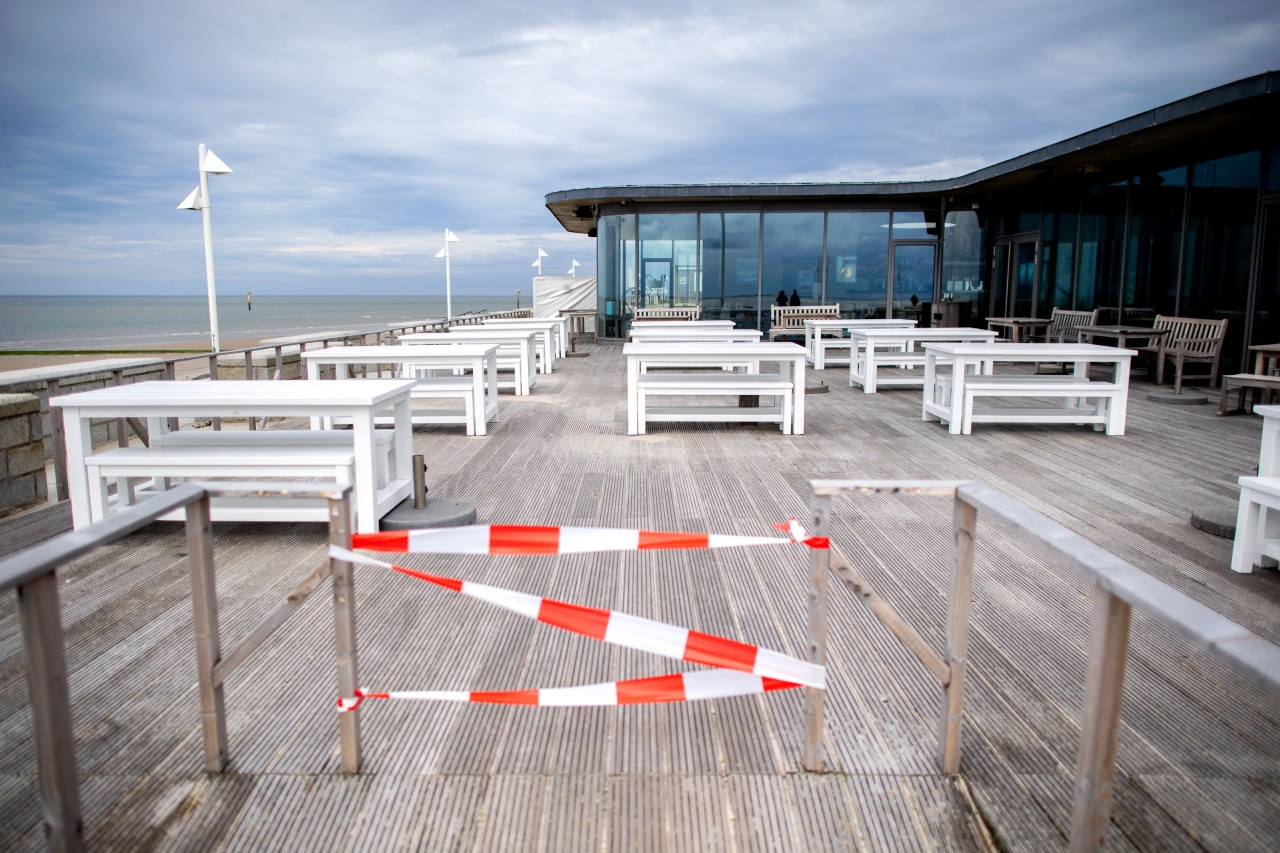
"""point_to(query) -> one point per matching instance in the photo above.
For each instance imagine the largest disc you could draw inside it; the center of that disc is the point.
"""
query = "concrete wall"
(22, 477)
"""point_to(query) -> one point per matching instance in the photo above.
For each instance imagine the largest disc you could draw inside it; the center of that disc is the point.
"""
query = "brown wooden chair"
(1190, 340)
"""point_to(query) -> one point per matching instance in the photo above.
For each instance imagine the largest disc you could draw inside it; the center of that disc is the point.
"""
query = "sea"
(97, 322)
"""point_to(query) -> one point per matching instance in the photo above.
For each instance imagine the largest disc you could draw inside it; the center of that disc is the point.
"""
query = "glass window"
(962, 257)
(731, 267)
(792, 257)
(1219, 243)
(668, 260)
(616, 272)
(913, 225)
(858, 262)
(1155, 238)
(1101, 245)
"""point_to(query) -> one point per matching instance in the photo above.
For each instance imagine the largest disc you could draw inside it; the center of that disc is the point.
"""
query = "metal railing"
(33, 573)
(1119, 586)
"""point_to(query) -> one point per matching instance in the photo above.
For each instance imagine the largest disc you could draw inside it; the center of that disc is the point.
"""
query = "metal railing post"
(204, 606)
(1103, 697)
(819, 571)
(51, 712)
(344, 623)
(960, 600)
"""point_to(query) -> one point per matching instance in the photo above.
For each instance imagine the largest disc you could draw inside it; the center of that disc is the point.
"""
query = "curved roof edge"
(1207, 114)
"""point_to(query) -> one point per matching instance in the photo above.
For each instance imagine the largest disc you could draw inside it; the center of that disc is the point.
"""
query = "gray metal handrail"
(33, 573)
(1119, 586)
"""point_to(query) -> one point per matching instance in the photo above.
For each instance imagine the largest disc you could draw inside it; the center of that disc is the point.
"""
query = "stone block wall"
(22, 475)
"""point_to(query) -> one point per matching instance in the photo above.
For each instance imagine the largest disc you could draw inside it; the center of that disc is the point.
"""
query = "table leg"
(869, 369)
(958, 371)
(78, 432)
(491, 386)
(366, 491)
(633, 382)
(477, 424)
(930, 385)
(797, 408)
(1119, 409)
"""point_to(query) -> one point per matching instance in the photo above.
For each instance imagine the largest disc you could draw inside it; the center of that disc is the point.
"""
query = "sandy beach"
(159, 351)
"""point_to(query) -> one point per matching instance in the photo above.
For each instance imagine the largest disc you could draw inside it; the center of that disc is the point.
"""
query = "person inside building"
(795, 297)
(782, 298)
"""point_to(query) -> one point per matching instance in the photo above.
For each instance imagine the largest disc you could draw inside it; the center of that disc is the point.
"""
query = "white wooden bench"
(384, 445)
(689, 312)
(1076, 392)
(1257, 541)
(176, 461)
(715, 384)
(785, 320)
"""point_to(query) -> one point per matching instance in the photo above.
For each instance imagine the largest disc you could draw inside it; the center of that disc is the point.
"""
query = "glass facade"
(736, 264)
(1170, 233)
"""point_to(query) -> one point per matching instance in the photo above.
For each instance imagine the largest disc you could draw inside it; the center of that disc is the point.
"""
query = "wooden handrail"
(1119, 586)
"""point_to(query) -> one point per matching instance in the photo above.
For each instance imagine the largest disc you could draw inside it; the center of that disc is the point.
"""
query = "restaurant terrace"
(998, 605)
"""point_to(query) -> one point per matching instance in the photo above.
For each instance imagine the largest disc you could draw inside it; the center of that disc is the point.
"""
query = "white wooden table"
(1257, 538)
(517, 349)
(557, 329)
(876, 347)
(790, 358)
(360, 402)
(945, 394)
(687, 332)
(481, 360)
(823, 335)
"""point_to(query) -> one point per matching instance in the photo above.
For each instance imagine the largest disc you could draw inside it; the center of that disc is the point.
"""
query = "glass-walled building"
(1171, 212)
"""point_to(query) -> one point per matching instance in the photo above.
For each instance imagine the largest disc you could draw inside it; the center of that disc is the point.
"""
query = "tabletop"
(919, 334)
(851, 323)
(1030, 351)
(751, 349)
(237, 392)
(405, 353)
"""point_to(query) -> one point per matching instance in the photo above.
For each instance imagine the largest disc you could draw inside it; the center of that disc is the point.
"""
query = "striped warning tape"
(771, 670)
(531, 539)
(681, 687)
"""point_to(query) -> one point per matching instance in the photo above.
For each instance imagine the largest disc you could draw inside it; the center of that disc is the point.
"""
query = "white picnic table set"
(343, 443)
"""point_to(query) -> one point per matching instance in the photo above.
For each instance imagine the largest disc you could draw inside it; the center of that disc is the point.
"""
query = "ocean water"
(90, 322)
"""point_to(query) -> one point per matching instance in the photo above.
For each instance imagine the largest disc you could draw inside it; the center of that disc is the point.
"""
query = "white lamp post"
(198, 199)
(573, 269)
(449, 237)
(538, 262)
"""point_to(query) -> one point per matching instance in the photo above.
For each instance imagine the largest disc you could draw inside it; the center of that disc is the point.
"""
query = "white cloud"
(359, 132)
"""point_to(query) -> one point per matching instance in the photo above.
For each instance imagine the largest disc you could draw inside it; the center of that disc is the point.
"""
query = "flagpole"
(448, 285)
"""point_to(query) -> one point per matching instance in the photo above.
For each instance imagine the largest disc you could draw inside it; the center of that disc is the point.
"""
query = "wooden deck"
(1199, 752)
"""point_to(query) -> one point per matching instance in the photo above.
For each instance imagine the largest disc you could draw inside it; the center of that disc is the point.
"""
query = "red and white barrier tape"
(748, 668)
(531, 539)
(623, 629)
(681, 687)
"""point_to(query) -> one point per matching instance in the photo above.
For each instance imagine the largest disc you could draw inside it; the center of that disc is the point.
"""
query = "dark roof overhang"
(1232, 117)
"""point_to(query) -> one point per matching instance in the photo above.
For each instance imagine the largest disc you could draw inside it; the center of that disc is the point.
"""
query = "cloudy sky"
(359, 131)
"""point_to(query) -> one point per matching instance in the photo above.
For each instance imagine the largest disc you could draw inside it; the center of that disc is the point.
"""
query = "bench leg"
(1246, 533)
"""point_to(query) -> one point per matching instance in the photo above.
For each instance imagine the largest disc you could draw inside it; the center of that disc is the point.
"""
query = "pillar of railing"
(959, 605)
(344, 626)
(204, 607)
(51, 712)
(819, 571)
(1103, 697)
